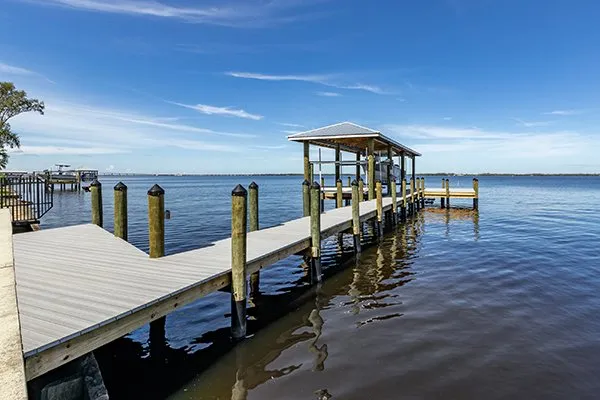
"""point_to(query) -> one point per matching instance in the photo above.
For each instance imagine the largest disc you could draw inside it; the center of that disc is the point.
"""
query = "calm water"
(499, 304)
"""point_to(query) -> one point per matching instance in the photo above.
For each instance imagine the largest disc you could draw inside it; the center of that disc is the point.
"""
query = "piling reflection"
(449, 215)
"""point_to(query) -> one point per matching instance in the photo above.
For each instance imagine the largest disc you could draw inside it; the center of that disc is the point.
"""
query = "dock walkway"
(105, 287)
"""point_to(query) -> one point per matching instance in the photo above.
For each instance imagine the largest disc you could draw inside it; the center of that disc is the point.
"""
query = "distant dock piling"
(238, 262)
(339, 197)
(476, 198)
(306, 198)
(443, 199)
(379, 196)
(447, 193)
(404, 200)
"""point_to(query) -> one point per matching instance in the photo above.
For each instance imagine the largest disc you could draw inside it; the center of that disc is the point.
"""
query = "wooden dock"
(106, 288)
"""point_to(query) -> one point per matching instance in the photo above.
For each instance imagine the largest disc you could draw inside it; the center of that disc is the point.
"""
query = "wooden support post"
(379, 208)
(417, 197)
(404, 200)
(156, 236)
(349, 182)
(447, 193)
(307, 161)
(476, 198)
(389, 169)
(394, 201)
(322, 193)
(443, 199)
(156, 221)
(253, 226)
(422, 192)
(13, 383)
(361, 190)
(306, 198)
(120, 223)
(411, 204)
(238, 262)
(371, 168)
(356, 217)
(339, 195)
(338, 167)
(315, 232)
(357, 177)
(96, 191)
(402, 168)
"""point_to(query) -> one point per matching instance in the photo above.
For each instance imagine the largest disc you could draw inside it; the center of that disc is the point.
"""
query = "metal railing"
(28, 197)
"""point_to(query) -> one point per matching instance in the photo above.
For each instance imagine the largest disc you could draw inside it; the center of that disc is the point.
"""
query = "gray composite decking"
(105, 282)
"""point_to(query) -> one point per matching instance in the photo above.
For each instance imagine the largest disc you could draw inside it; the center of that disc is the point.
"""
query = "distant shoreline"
(408, 175)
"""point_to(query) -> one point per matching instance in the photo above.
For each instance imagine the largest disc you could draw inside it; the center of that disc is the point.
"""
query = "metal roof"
(350, 137)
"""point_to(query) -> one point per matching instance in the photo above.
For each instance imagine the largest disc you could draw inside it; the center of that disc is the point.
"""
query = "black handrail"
(28, 197)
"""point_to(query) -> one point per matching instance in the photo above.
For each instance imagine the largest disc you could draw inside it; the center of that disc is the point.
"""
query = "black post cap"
(253, 185)
(475, 179)
(156, 191)
(96, 183)
(354, 183)
(121, 187)
(239, 191)
(306, 182)
(315, 185)
(339, 180)
(378, 181)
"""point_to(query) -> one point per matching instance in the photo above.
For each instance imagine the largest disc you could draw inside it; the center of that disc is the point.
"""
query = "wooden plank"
(12, 372)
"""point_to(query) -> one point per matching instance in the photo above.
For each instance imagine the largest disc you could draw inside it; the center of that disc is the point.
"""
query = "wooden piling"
(156, 237)
(238, 262)
(404, 200)
(389, 169)
(306, 159)
(253, 226)
(411, 205)
(371, 167)
(379, 202)
(120, 218)
(315, 232)
(322, 193)
(339, 196)
(338, 159)
(356, 217)
(349, 181)
(156, 221)
(394, 200)
(96, 192)
(306, 198)
(443, 199)
(476, 198)
(422, 192)
(361, 190)
(357, 177)
(447, 193)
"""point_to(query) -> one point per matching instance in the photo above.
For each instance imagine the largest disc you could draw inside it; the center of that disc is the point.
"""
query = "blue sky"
(216, 86)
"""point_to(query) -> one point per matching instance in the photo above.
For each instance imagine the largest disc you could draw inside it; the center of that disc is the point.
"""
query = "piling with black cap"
(306, 198)
(315, 231)
(356, 217)
(120, 223)
(339, 196)
(476, 198)
(379, 201)
(238, 262)
(253, 226)
(96, 191)
(156, 237)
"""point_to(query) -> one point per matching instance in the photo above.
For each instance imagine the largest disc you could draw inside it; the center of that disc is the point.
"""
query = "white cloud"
(335, 81)
(447, 118)
(291, 132)
(328, 94)
(290, 125)
(532, 124)
(249, 13)
(564, 112)
(215, 110)
(13, 70)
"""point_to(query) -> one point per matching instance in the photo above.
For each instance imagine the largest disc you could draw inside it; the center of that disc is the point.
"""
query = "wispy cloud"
(215, 110)
(564, 112)
(291, 132)
(447, 118)
(20, 71)
(332, 80)
(249, 13)
(532, 124)
(328, 94)
(493, 144)
(290, 125)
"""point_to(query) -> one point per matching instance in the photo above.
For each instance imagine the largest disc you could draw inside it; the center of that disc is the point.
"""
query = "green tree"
(13, 102)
